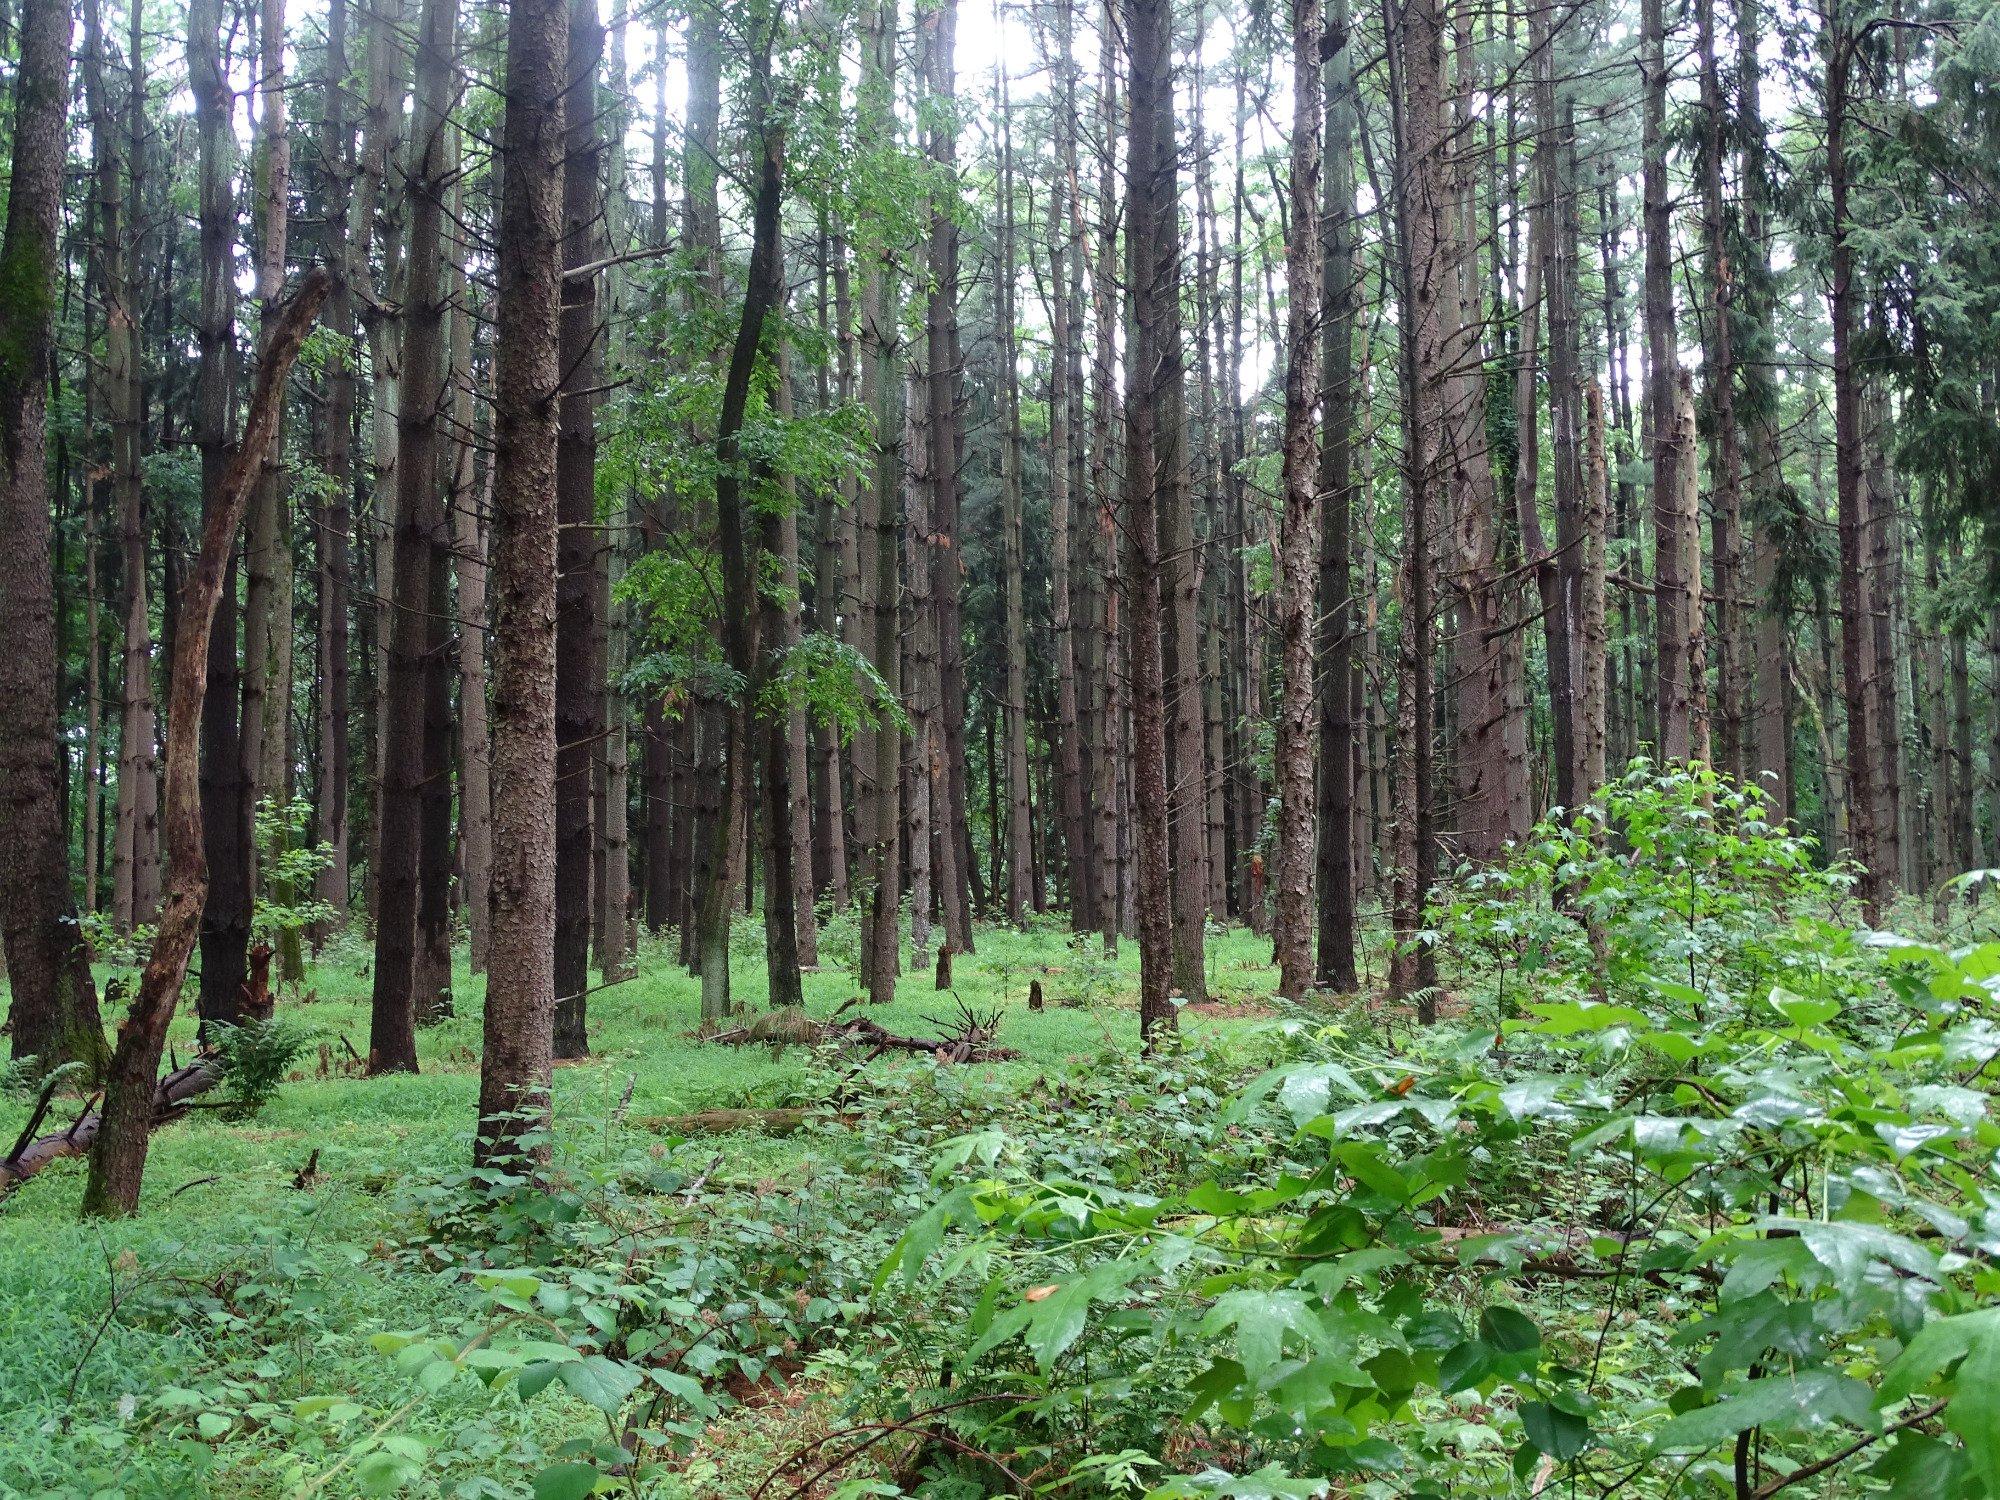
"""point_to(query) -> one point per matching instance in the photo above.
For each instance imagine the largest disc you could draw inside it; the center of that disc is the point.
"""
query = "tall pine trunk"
(1339, 683)
(53, 1001)
(519, 1025)
(579, 680)
(1298, 558)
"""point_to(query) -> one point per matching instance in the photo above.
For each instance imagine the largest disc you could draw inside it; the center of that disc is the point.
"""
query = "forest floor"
(142, 1358)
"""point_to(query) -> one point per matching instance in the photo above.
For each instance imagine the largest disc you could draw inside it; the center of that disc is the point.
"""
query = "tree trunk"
(1593, 657)
(927, 787)
(782, 632)
(135, 860)
(957, 874)
(747, 613)
(267, 615)
(1725, 442)
(1860, 798)
(1768, 733)
(1065, 252)
(1337, 759)
(1298, 558)
(469, 503)
(53, 1000)
(225, 917)
(331, 525)
(118, 1156)
(417, 627)
(1673, 630)
(518, 1031)
(1022, 893)
(1152, 477)
(1424, 214)
(1113, 684)
(579, 683)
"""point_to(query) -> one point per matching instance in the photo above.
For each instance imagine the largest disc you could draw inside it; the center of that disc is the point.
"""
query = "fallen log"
(781, 1121)
(172, 1098)
(968, 1040)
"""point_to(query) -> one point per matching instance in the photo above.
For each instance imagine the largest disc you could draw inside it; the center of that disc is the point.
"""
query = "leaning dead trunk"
(118, 1158)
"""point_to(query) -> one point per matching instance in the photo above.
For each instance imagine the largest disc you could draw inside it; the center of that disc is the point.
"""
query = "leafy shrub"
(256, 1055)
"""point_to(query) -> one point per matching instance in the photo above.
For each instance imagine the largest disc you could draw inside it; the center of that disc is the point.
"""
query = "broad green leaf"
(1810, 1399)
(604, 1383)
(566, 1481)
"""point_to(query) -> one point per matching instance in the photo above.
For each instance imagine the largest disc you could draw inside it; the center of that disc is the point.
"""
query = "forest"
(816, 749)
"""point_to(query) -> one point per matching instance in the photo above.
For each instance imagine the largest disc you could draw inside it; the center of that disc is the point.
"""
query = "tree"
(1299, 528)
(415, 759)
(53, 1000)
(519, 1026)
(580, 718)
(1152, 460)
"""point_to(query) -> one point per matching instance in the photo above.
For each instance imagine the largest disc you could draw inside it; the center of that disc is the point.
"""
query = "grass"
(98, 1320)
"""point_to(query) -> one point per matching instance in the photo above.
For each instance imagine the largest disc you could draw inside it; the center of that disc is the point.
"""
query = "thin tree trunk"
(927, 787)
(957, 874)
(1298, 559)
(1022, 895)
(1591, 633)
(875, 518)
(1860, 798)
(1423, 205)
(1672, 634)
(331, 528)
(471, 505)
(1113, 683)
(783, 630)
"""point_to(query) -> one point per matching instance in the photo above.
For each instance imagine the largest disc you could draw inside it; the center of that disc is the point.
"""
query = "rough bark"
(518, 1030)
(1152, 459)
(1862, 831)
(135, 860)
(226, 812)
(331, 529)
(470, 502)
(1022, 893)
(1593, 657)
(1672, 632)
(1299, 525)
(876, 519)
(579, 682)
(1423, 214)
(53, 1001)
(1339, 683)
(416, 626)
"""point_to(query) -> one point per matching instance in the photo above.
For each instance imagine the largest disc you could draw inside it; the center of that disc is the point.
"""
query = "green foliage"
(1725, 1175)
(285, 905)
(256, 1056)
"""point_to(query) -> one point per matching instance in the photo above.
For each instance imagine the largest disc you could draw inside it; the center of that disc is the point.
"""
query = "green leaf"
(1509, 1330)
(566, 1482)
(1558, 1433)
(604, 1383)
(1807, 1400)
